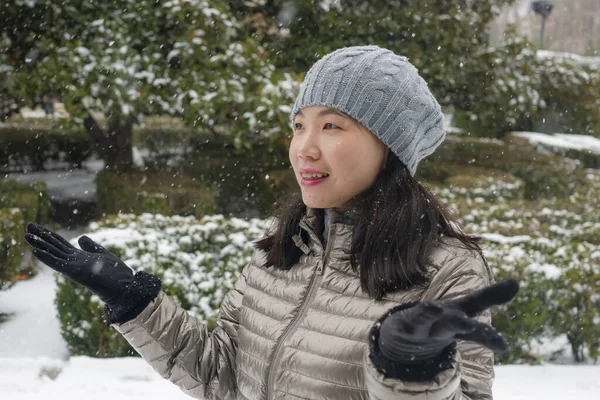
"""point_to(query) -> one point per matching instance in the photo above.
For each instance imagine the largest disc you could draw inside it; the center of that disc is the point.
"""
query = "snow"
(83, 378)
(132, 379)
(588, 61)
(547, 382)
(59, 112)
(563, 140)
(32, 329)
(551, 271)
(498, 238)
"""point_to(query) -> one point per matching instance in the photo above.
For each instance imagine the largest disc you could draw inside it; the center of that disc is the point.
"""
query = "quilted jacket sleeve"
(469, 371)
(182, 350)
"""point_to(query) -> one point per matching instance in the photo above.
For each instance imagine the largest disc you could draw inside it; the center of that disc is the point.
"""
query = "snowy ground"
(132, 379)
(83, 378)
(34, 361)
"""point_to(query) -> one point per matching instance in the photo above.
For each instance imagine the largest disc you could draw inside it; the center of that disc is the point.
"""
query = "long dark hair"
(405, 219)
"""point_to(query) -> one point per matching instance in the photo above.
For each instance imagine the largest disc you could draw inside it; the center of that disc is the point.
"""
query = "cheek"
(292, 154)
(357, 161)
(342, 157)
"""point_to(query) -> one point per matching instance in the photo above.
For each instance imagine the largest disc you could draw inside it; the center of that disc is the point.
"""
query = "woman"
(365, 288)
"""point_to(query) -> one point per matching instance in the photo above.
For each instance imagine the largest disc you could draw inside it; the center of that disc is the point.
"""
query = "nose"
(308, 146)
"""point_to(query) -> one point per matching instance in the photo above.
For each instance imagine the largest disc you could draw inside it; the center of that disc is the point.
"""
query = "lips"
(312, 181)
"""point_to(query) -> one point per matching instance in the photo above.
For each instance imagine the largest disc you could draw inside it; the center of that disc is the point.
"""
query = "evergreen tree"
(114, 62)
(445, 39)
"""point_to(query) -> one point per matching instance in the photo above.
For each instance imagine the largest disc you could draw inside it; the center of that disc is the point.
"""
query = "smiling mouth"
(311, 181)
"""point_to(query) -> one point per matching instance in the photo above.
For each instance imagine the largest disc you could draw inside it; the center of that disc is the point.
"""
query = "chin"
(313, 203)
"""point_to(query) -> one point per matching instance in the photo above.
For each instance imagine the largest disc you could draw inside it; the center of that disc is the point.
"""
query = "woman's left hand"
(420, 333)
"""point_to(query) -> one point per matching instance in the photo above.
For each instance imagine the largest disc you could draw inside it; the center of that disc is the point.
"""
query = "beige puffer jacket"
(303, 333)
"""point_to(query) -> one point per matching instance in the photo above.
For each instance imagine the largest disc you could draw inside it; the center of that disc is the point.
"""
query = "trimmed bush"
(197, 260)
(247, 183)
(12, 229)
(169, 141)
(480, 183)
(543, 176)
(553, 247)
(28, 145)
(531, 90)
(243, 175)
(32, 199)
(571, 91)
(558, 295)
(19, 204)
(588, 158)
(151, 191)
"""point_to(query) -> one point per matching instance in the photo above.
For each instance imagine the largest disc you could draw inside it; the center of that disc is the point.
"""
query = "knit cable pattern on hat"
(384, 92)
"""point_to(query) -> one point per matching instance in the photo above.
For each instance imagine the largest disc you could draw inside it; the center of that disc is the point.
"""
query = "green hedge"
(247, 179)
(153, 191)
(245, 183)
(168, 139)
(588, 158)
(543, 175)
(553, 247)
(32, 199)
(558, 297)
(19, 204)
(29, 145)
(12, 229)
(531, 91)
(197, 260)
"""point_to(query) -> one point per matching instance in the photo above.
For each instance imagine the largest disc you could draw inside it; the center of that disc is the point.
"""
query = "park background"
(161, 129)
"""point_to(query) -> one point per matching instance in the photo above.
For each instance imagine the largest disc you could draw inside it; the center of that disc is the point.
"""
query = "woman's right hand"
(94, 267)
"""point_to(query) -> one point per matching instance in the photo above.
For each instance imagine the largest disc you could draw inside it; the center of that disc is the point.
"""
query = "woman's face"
(328, 141)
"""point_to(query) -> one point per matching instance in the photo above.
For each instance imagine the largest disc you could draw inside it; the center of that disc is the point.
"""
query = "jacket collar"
(340, 234)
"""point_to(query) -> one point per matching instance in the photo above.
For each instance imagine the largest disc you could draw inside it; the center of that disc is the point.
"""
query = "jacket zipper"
(315, 282)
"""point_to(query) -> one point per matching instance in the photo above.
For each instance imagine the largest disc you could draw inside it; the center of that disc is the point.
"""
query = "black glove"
(94, 267)
(420, 333)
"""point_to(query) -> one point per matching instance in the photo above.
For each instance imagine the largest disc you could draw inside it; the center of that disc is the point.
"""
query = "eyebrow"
(327, 111)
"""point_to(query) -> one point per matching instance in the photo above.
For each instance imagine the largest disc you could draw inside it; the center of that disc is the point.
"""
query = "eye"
(297, 126)
(329, 125)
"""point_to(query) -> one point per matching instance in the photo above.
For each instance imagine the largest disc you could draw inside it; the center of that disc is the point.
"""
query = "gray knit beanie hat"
(382, 91)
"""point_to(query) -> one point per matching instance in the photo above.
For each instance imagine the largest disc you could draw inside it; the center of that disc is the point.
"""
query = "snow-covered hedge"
(553, 247)
(541, 175)
(559, 293)
(197, 260)
(584, 148)
(530, 91)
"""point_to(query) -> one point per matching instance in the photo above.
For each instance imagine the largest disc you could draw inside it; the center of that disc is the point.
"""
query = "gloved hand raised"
(420, 333)
(94, 267)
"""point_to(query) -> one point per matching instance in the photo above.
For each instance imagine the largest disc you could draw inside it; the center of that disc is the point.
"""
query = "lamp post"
(544, 8)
